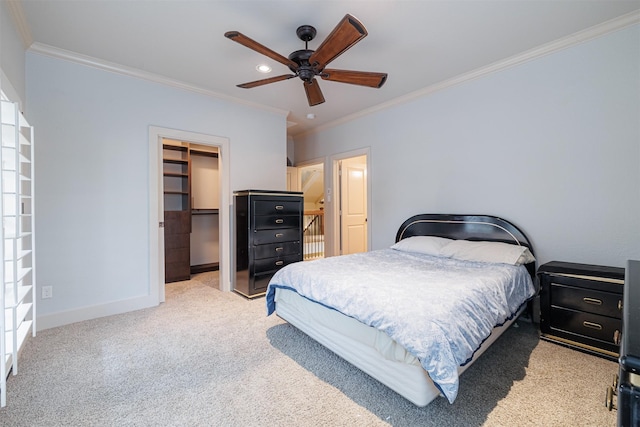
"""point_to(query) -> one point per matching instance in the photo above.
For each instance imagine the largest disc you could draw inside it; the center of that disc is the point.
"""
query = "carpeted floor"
(207, 358)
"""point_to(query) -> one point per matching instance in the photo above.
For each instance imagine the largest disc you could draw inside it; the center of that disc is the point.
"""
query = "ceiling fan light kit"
(308, 64)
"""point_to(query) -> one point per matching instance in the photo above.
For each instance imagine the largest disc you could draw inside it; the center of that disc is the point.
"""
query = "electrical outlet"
(47, 292)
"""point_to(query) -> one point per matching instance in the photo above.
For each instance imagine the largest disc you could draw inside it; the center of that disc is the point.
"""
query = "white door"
(353, 205)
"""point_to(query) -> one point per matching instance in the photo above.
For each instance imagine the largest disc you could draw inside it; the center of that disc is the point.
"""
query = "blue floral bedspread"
(439, 309)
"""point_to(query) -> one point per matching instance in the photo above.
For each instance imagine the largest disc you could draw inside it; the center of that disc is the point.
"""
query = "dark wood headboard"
(468, 227)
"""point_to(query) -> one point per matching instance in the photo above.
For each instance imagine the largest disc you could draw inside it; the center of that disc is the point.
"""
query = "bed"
(416, 315)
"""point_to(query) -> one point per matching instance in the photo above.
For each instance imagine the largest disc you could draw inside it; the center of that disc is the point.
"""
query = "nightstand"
(581, 306)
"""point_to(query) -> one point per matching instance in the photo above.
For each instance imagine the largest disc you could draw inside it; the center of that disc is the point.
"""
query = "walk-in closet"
(191, 187)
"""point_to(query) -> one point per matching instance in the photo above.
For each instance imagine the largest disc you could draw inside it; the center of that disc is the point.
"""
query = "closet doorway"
(190, 228)
(191, 208)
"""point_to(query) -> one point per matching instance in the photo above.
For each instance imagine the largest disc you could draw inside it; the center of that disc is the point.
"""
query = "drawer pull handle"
(279, 249)
(279, 234)
(608, 401)
(593, 301)
(279, 207)
(279, 262)
(279, 221)
(592, 325)
(616, 338)
(620, 305)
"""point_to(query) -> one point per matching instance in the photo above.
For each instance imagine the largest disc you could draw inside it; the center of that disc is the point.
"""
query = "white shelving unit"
(17, 251)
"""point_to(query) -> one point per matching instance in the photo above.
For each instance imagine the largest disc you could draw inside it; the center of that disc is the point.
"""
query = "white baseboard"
(62, 318)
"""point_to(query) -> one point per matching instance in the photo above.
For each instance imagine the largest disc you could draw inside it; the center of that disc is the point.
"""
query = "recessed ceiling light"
(263, 68)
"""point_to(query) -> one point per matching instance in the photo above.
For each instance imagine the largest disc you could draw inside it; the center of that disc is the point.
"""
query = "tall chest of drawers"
(268, 236)
(581, 306)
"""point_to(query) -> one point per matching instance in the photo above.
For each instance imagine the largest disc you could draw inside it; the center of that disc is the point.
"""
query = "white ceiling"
(420, 44)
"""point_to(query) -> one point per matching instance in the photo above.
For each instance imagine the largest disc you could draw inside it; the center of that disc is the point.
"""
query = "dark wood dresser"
(581, 306)
(268, 230)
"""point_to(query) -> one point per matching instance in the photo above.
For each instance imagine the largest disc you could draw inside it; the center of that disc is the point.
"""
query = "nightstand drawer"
(589, 325)
(587, 300)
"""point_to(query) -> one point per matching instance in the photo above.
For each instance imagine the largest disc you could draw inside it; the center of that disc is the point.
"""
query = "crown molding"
(607, 27)
(596, 31)
(112, 67)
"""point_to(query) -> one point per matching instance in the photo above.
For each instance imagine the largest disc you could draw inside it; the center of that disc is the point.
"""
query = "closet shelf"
(174, 147)
(176, 161)
(203, 153)
(205, 211)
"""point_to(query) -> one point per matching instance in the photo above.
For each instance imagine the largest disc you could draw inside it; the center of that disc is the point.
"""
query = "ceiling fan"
(308, 64)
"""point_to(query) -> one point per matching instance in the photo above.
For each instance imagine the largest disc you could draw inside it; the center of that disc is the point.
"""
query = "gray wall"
(552, 145)
(92, 175)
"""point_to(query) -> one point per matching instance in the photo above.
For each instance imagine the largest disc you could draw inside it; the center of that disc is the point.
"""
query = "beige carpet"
(207, 358)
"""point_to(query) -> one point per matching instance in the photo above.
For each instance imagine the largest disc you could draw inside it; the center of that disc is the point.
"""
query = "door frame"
(335, 198)
(156, 206)
(324, 161)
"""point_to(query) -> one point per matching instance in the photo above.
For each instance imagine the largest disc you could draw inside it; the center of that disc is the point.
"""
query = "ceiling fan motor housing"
(301, 57)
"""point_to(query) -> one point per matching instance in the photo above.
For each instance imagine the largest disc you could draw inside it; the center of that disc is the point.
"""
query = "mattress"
(367, 348)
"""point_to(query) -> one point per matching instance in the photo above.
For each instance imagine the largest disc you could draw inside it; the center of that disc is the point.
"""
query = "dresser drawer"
(177, 241)
(177, 255)
(587, 300)
(267, 222)
(265, 269)
(276, 250)
(273, 236)
(274, 264)
(590, 325)
(261, 281)
(277, 207)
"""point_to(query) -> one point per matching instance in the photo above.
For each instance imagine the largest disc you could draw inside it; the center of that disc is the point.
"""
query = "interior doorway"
(157, 216)
(311, 178)
(351, 207)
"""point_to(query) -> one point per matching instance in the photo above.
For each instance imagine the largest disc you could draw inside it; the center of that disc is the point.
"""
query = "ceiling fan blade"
(254, 45)
(362, 78)
(348, 32)
(314, 94)
(249, 85)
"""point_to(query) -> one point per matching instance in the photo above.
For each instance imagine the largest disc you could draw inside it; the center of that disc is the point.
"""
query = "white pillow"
(496, 252)
(430, 245)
